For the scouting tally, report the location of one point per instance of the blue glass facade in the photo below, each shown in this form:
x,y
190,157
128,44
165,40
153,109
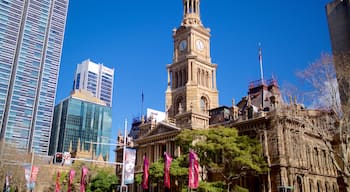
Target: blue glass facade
x,y
77,120
31,38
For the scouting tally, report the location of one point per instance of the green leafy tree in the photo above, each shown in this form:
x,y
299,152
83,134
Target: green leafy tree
x,y
102,181
211,187
222,150
179,171
156,172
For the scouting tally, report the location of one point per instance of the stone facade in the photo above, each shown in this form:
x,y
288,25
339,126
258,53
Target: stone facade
x,y
293,138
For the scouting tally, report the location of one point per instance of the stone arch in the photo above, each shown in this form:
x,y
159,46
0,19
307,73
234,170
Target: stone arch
x,y
299,184
204,104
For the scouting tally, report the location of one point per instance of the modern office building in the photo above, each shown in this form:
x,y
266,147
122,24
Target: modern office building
x,y
338,16
31,38
96,78
81,122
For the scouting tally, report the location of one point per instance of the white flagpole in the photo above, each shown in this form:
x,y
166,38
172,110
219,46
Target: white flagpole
x,y
261,64
124,148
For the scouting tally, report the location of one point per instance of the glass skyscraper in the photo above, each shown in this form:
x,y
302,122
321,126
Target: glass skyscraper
x,y
95,78
81,118
31,38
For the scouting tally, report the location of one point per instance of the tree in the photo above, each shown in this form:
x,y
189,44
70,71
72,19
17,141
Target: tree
x,y
325,83
156,172
222,150
102,181
179,173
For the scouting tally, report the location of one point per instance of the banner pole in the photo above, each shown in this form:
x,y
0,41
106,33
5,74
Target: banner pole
x,y
124,148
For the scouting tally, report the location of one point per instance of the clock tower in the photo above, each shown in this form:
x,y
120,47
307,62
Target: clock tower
x,y
191,90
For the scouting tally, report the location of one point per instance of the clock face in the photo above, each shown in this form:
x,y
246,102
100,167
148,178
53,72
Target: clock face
x,y
183,45
199,44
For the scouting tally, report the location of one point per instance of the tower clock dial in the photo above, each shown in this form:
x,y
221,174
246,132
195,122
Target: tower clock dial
x,y
199,44
183,45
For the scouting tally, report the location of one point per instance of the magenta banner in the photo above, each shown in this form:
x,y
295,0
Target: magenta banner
x,y
83,179
167,163
145,173
193,171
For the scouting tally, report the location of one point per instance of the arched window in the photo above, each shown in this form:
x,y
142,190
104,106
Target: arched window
x,y
175,80
335,188
319,186
204,104
299,187
327,187
179,82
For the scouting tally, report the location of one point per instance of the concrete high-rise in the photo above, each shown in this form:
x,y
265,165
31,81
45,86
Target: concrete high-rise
x,y
95,78
338,16
31,38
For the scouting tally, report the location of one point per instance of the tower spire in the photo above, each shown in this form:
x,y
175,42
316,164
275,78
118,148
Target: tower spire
x,y
191,12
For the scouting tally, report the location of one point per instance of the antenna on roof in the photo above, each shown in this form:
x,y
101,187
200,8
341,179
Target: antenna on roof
x,y
260,62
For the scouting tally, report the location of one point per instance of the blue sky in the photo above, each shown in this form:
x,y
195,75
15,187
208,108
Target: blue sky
x,y
135,38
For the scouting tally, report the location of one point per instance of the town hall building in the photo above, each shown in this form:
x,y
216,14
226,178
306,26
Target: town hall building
x,y
294,139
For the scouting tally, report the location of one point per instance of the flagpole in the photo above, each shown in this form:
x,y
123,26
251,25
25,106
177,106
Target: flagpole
x,y
142,100
261,64
31,171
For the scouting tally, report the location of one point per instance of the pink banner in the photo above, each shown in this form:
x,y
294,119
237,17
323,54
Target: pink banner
x,y
35,171
57,189
145,173
167,163
193,171
71,178
83,180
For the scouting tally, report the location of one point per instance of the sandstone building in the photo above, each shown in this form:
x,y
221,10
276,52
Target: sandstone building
x,y
294,139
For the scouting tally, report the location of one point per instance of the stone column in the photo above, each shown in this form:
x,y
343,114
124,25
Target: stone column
x,y
214,79
199,77
188,6
168,77
183,71
192,7
189,73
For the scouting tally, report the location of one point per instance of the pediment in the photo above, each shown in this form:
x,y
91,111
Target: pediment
x,y
162,129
